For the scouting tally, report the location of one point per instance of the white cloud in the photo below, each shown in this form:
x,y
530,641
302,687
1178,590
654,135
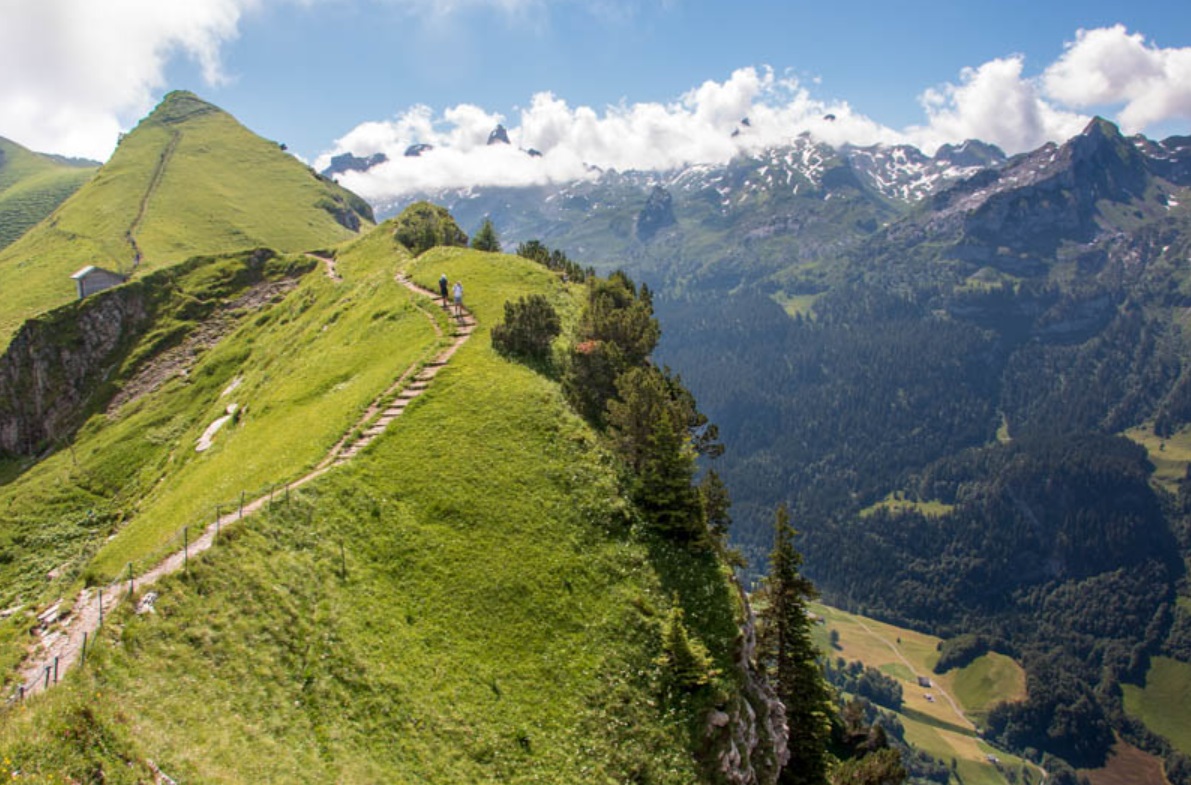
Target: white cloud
x,y
993,103
696,128
996,102
76,71
1109,67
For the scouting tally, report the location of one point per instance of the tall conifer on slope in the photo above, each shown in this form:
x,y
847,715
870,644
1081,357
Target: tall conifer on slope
x,y
788,652
486,238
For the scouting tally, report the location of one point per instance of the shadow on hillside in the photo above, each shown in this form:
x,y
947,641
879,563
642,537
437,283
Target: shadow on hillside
x,y
707,599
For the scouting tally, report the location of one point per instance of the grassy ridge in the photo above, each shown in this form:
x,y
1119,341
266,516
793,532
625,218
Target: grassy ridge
x,y
188,180
306,367
466,601
31,187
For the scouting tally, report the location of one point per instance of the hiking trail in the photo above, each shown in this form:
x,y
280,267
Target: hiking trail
x,y
61,635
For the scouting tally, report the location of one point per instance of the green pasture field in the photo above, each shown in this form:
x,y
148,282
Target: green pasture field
x,y
188,180
933,724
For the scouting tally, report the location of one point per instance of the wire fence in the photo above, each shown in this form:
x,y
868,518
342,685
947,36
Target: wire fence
x,y
171,556
190,540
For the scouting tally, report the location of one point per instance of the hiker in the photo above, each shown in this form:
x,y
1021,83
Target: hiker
x,y
442,289
458,292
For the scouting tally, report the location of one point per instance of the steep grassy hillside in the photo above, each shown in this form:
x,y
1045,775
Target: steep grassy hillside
x,y
32,186
299,367
188,179
469,600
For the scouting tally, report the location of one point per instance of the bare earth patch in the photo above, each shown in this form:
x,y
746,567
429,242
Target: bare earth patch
x,y
178,360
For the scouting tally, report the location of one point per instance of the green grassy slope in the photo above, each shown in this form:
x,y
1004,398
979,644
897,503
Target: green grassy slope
x,y
32,186
188,179
306,367
466,601
1162,703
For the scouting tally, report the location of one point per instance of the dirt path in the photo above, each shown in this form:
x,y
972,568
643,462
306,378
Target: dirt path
x,y
329,265
62,636
154,181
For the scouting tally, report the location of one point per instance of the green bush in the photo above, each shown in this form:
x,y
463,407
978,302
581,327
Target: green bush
x,y
530,325
423,225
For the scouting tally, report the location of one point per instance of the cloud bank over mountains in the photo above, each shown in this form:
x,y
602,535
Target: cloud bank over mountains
x,y
1107,71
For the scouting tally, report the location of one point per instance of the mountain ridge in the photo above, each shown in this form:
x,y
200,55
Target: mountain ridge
x,y
188,179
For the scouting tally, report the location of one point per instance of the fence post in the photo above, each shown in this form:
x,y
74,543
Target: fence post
x,y
342,562
83,654
131,583
186,549
217,521
55,670
241,505
287,493
47,677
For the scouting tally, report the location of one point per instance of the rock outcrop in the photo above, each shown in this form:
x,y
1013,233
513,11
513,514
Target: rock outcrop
x,y
657,214
55,363
349,162
747,736
499,136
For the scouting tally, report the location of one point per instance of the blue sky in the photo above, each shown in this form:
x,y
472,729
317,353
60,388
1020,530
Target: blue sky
x,y
611,82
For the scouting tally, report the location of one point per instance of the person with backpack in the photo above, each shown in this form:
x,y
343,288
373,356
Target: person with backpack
x,y
442,289
458,292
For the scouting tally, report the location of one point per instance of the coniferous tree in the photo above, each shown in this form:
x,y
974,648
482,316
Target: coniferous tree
x,y
789,653
486,238
616,332
647,425
716,502
687,661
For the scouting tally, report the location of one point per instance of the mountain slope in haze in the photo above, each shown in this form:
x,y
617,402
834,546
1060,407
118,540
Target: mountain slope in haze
x,y
188,179
33,185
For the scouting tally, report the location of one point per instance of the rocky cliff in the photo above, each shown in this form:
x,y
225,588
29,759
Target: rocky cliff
x,y
748,734
56,362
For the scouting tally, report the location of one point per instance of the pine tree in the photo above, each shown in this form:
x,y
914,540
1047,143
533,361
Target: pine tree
x,y
648,428
486,239
687,662
789,653
716,502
